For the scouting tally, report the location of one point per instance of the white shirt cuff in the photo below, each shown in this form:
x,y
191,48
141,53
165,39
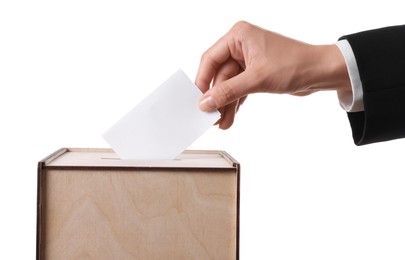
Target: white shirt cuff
x,y
351,101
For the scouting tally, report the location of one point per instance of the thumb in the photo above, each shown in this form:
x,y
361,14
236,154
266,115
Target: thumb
x,y
225,92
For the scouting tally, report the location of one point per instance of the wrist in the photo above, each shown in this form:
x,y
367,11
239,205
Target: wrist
x,y
326,69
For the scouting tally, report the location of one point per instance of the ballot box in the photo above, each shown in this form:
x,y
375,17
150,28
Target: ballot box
x,y
93,205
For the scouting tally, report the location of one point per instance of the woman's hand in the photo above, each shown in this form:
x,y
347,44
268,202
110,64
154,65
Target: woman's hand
x,y
249,59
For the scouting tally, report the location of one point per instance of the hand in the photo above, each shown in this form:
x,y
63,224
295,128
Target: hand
x,y
249,59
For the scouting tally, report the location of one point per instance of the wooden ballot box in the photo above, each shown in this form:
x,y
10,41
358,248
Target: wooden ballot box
x,y
92,205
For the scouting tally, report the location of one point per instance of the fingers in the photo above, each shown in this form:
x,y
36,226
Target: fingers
x,y
228,115
224,65
240,102
228,70
211,62
228,91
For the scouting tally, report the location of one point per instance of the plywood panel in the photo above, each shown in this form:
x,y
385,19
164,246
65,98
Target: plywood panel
x,y
156,214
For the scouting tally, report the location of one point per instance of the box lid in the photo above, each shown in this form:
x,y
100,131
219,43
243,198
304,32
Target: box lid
x,y
101,157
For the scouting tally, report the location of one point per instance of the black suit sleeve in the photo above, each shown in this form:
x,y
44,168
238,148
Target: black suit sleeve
x,y
380,56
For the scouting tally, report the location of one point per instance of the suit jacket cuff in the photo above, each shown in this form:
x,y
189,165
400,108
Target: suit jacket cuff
x,y
380,57
351,101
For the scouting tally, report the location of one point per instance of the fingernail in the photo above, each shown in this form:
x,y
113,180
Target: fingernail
x,y
207,104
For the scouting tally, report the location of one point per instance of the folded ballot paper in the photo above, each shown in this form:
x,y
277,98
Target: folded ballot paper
x,y
164,124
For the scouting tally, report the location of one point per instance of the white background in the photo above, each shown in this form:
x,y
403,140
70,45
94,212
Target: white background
x,y
70,69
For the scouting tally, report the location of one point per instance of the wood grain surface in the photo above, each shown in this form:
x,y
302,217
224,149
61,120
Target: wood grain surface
x,y
132,214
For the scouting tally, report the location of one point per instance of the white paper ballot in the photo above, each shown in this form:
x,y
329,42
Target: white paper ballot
x,y
164,124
